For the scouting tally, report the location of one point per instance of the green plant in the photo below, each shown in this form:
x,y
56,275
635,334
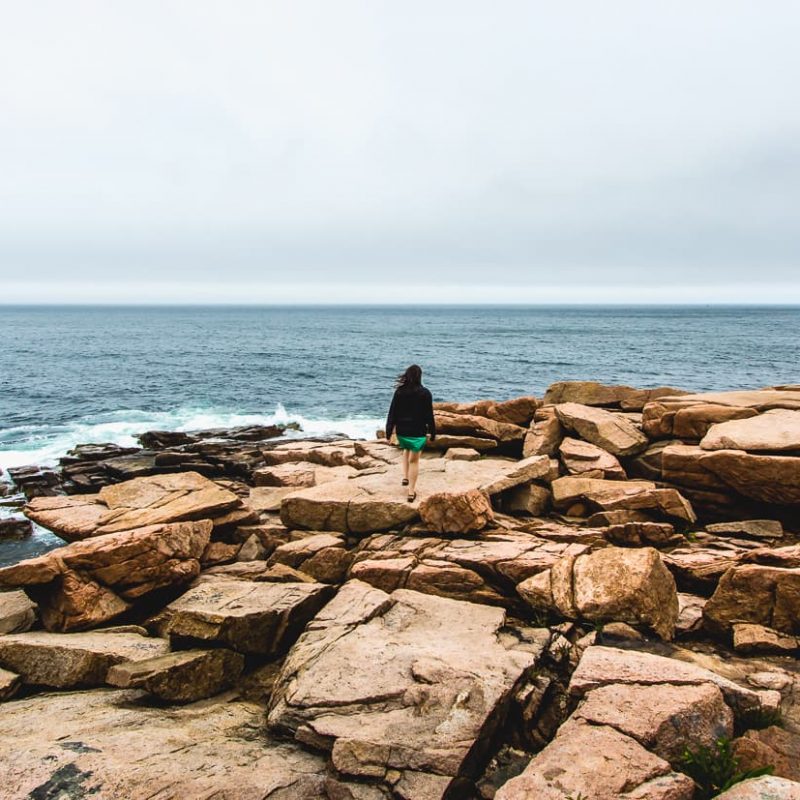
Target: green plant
x,y
578,796
715,769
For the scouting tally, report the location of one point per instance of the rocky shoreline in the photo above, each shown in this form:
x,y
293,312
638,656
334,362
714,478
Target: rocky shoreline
x,y
596,595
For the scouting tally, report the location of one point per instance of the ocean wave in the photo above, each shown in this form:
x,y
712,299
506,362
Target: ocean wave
x,y
44,444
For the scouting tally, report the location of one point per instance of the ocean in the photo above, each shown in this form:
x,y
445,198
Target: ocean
x,y
96,374
71,375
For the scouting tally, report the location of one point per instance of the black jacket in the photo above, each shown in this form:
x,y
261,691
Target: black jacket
x,y
411,413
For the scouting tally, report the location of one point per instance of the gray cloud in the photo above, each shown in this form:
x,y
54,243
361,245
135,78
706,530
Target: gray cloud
x,y
163,147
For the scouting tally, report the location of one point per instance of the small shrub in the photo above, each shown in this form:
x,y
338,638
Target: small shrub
x,y
715,769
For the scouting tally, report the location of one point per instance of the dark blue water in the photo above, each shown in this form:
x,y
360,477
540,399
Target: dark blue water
x,y
72,374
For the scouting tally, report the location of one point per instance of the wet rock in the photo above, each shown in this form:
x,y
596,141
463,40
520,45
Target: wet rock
x,y
456,512
249,617
70,660
772,431
15,528
580,457
768,596
87,583
181,677
611,432
35,481
101,745
17,612
404,682
612,584
598,762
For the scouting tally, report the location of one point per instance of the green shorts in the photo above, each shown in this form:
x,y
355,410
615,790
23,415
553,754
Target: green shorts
x,y
412,443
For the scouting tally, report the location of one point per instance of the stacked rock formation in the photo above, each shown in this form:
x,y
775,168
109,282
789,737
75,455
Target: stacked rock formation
x,y
587,588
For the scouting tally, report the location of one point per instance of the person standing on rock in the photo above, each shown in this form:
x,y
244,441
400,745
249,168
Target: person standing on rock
x,y
411,416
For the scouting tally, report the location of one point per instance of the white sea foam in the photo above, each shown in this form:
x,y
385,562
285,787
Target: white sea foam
x,y
43,444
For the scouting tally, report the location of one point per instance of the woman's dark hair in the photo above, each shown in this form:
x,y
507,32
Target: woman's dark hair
x,y
410,378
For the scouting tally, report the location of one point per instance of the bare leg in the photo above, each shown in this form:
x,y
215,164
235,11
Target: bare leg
x,y
405,464
413,473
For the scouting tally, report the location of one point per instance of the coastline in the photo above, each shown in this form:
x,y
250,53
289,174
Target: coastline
x,y
569,558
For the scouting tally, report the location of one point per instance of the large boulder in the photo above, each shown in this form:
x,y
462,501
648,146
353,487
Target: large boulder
x,y
614,433
249,617
597,762
88,583
665,719
100,744
772,431
610,585
456,512
691,423
70,660
517,411
401,682
137,503
768,596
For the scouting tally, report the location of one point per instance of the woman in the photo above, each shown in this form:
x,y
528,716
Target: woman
x,y
411,415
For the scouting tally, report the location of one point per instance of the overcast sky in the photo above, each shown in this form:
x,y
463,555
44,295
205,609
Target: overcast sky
x,y
399,151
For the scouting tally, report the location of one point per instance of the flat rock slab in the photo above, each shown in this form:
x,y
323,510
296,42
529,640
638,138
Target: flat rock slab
x,y
768,478
401,681
184,677
99,744
137,503
377,502
68,660
591,393
613,584
601,666
597,762
771,431
249,617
